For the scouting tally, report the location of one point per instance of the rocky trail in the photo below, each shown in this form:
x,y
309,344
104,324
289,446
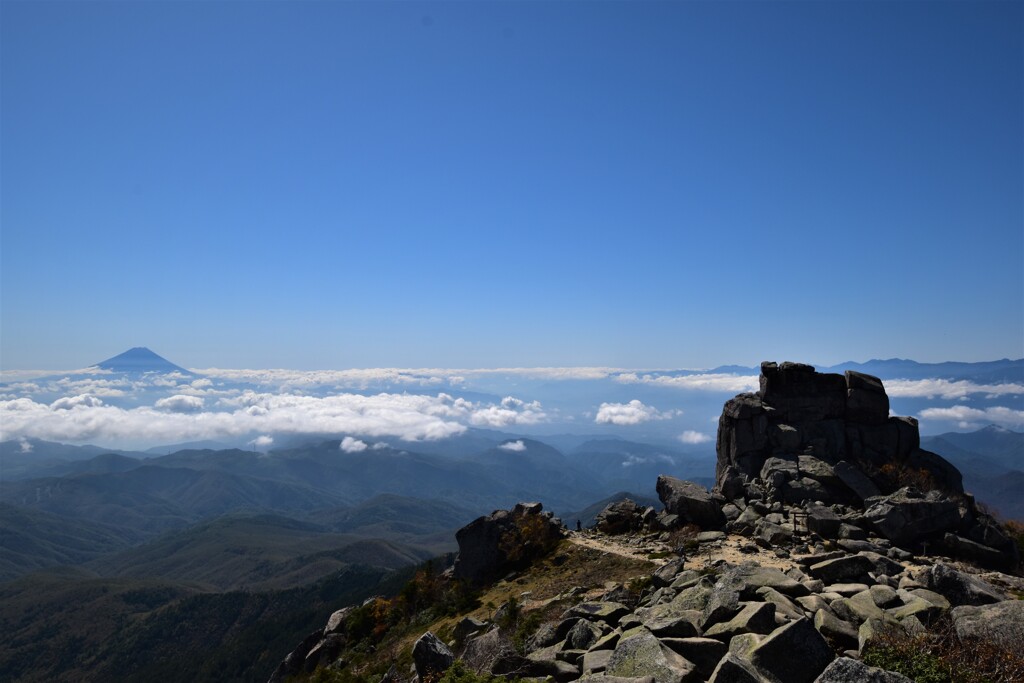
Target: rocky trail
x,y
656,553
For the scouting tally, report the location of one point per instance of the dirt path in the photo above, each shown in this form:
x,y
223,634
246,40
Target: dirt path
x,y
610,544
728,550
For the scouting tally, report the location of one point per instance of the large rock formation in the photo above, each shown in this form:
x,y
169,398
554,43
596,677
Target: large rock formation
x,y
832,418
825,444
504,541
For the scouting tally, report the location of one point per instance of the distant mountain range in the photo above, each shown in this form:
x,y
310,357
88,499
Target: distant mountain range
x,y
992,463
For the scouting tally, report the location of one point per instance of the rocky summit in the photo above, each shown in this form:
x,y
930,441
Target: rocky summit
x,y
830,536
822,449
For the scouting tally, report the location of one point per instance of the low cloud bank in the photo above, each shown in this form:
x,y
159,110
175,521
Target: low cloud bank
x,y
86,418
693,438
700,382
632,413
948,389
966,417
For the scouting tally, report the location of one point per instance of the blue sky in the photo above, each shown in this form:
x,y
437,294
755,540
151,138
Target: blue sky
x,y
316,185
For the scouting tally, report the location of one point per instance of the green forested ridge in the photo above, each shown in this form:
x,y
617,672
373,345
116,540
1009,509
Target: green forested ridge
x,y
63,626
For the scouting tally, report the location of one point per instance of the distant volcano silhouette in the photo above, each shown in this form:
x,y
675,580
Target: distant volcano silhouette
x,y
140,360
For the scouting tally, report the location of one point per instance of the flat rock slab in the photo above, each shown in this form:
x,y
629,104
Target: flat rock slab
x,y
960,588
1001,623
794,653
642,654
748,577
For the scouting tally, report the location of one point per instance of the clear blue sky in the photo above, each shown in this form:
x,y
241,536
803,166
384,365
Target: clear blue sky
x,y
326,184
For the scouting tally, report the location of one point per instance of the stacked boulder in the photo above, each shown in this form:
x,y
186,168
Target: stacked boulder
x,y
823,448
622,517
505,541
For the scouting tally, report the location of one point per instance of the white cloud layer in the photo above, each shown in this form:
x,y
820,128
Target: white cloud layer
x,y
179,403
410,417
514,446
88,419
700,382
262,441
351,445
364,378
966,417
511,411
693,437
632,413
948,389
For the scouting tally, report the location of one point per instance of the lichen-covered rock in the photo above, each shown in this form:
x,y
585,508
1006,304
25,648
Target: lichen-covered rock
x,y
794,653
1001,623
642,654
847,670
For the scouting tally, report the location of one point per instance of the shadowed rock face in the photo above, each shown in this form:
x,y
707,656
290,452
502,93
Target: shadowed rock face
x,y
504,541
834,418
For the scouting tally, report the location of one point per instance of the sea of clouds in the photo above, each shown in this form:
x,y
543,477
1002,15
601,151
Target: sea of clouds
x,y
95,406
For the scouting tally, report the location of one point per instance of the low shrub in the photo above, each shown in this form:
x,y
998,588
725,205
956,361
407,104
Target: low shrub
x,y
940,656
